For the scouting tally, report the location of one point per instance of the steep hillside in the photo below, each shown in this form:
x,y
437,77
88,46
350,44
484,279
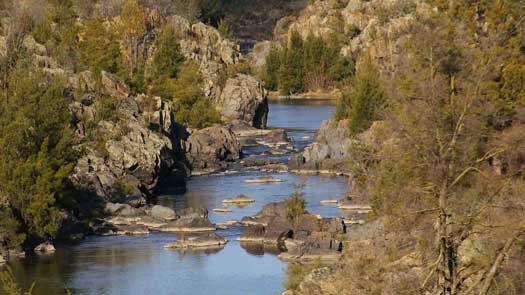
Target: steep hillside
x,y
253,20
114,103
434,120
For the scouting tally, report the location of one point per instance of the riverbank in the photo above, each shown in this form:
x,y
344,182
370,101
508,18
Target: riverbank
x,y
104,262
311,95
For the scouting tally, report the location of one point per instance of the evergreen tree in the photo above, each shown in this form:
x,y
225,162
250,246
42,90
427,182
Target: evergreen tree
x,y
99,50
291,78
272,69
363,102
190,105
36,157
132,29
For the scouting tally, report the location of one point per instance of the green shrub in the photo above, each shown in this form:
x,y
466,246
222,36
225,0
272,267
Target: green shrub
x,y
224,30
98,49
36,157
189,102
363,101
296,204
167,58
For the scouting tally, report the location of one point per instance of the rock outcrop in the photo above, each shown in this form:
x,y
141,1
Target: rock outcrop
x,y
45,248
305,238
253,20
198,242
245,100
135,146
212,149
358,22
239,98
329,150
123,219
208,49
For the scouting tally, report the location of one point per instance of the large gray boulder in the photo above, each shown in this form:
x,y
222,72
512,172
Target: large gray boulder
x,y
245,100
212,149
163,213
329,150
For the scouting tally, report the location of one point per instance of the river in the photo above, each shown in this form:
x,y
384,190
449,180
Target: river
x,y
139,264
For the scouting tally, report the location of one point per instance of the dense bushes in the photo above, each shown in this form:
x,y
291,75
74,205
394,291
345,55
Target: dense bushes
x,y
36,157
362,100
190,104
306,65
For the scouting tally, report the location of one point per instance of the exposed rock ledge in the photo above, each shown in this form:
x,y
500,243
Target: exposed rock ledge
x,y
201,241
212,149
123,219
328,151
308,237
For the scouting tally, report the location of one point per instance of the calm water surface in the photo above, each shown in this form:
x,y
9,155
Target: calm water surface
x,y
139,265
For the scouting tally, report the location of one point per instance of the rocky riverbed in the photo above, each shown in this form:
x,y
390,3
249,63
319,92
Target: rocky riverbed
x,y
201,242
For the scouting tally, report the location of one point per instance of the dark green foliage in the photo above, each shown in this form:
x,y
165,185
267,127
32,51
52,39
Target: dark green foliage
x,y
138,83
98,49
272,68
310,65
211,12
36,157
224,30
341,68
296,204
291,75
190,105
167,58
59,32
363,102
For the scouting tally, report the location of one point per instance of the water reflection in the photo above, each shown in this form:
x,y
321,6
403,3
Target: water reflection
x,y
301,118
209,191
140,265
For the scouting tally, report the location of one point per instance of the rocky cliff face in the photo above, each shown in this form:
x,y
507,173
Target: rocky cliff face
x,y
329,150
133,149
239,98
206,47
375,26
245,100
212,149
253,20
132,141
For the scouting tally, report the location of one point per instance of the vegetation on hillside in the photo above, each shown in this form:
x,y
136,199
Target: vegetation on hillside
x,y
363,99
37,138
36,157
306,65
448,173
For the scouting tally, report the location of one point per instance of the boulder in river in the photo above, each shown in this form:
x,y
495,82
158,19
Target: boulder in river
x,y
222,210
188,224
264,179
162,212
211,240
240,199
245,100
212,149
45,248
329,150
304,238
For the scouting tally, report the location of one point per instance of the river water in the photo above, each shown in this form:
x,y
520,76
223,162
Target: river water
x,y
140,265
